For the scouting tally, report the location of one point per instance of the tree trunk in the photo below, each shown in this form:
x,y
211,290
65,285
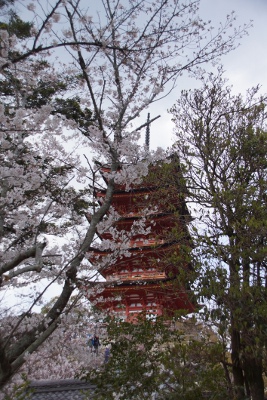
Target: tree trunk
x,y
253,372
237,370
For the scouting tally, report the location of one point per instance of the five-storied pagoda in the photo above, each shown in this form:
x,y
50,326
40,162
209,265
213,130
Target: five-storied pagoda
x,y
151,276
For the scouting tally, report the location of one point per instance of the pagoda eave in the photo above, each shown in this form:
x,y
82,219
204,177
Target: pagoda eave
x,y
149,248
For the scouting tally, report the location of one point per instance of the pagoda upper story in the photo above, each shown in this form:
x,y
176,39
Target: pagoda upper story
x,y
146,275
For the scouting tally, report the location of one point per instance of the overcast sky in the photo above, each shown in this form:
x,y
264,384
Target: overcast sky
x,y
245,67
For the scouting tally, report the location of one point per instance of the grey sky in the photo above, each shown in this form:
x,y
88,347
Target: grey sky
x,y
245,67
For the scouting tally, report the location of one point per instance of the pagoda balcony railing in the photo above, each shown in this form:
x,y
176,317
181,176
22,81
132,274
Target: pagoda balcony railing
x,y
136,276
145,242
138,214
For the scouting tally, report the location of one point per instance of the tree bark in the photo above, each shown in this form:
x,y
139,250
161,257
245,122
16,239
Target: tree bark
x,y
253,372
237,370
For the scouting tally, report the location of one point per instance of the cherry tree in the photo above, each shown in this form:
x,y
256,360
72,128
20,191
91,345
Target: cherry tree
x,y
61,121
66,353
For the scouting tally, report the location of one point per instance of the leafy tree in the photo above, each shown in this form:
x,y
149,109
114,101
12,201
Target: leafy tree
x,y
114,68
222,145
153,359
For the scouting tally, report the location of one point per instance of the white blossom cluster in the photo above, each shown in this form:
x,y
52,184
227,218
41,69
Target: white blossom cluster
x,y
66,353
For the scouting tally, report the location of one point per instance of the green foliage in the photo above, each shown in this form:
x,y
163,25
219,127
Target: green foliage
x,y
15,25
159,358
17,92
71,108
43,93
46,92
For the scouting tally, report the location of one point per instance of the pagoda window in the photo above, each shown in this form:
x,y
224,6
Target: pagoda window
x,y
134,297
135,305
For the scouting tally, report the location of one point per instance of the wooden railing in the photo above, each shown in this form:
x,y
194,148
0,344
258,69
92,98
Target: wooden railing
x,y
137,276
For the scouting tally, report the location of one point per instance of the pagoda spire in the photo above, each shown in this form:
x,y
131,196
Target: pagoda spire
x,y
147,126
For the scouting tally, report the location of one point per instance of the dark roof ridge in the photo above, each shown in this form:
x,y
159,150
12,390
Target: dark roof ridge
x,y
58,385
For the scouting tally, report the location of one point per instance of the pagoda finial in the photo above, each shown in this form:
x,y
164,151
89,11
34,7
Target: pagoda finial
x,y
148,131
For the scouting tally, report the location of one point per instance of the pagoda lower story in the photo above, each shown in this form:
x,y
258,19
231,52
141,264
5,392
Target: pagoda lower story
x,y
150,280
129,301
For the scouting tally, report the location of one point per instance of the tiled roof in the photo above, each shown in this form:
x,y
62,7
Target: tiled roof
x,y
68,389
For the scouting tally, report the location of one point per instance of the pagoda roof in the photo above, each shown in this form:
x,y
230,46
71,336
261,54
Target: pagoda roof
x,y
166,284
134,187
135,190
148,248
64,389
136,282
158,216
